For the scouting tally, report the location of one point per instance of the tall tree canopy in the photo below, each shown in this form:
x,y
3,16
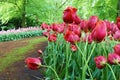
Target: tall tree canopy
x,y
51,10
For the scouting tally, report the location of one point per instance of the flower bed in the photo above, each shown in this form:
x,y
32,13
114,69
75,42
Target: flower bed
x,y
20,33
80,49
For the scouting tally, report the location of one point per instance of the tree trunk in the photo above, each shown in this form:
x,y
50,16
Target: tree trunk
x,y
23,23
118,8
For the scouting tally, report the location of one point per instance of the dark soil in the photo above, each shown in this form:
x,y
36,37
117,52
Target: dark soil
x,y
18,70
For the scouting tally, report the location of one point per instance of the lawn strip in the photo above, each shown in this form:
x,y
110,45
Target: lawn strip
x,y
18,53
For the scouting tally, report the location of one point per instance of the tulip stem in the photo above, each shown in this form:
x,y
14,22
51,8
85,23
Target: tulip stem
x,y
52,70
105,73
67,63
112,71
86,65
105,53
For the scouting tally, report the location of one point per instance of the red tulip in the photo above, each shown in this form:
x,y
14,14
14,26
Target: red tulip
x,y
39,51
71,37
46,34
84,25
92,22
61,28
99,32
54,26
77,20
58,27
73,48
116,36
70,15
109,27
44,26
117,49
114,28
75,28
118,22
100,61
33,63
52,38
113,58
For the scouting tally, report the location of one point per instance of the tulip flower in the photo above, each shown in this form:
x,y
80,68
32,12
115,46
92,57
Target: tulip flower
x,y
114,28
73,48
84,25
100,61
77,20
39,51
117,49
52,38
109,27
46,34
71,37
116,36
99,32
44,26
54,26
70,16
75,28
58,27
118,22
92,22
113,58
33,63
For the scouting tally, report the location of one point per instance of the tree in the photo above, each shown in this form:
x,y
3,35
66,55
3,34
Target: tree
x,y
12,9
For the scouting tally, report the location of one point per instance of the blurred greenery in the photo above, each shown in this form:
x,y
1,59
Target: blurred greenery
x,y
37,11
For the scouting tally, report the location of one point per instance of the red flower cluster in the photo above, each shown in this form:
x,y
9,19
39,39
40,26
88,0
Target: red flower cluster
x,y
72,28
93,29
113,58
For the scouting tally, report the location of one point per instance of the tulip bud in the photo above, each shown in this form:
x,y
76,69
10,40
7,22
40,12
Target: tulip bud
x,y
100,61
116,36
70,16
84,25
77,20
92,22
113,58
99,32
73,48
46,34
117,49
52,38
44,26
39,51
75,28
118,22
33,63
71,37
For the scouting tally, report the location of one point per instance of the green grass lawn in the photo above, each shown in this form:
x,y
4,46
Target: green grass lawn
x,y
18,53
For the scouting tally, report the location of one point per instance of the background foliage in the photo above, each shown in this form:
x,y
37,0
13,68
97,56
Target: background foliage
x,y
49,11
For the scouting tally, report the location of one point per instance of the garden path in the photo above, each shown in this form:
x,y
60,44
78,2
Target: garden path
x,y
18,70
